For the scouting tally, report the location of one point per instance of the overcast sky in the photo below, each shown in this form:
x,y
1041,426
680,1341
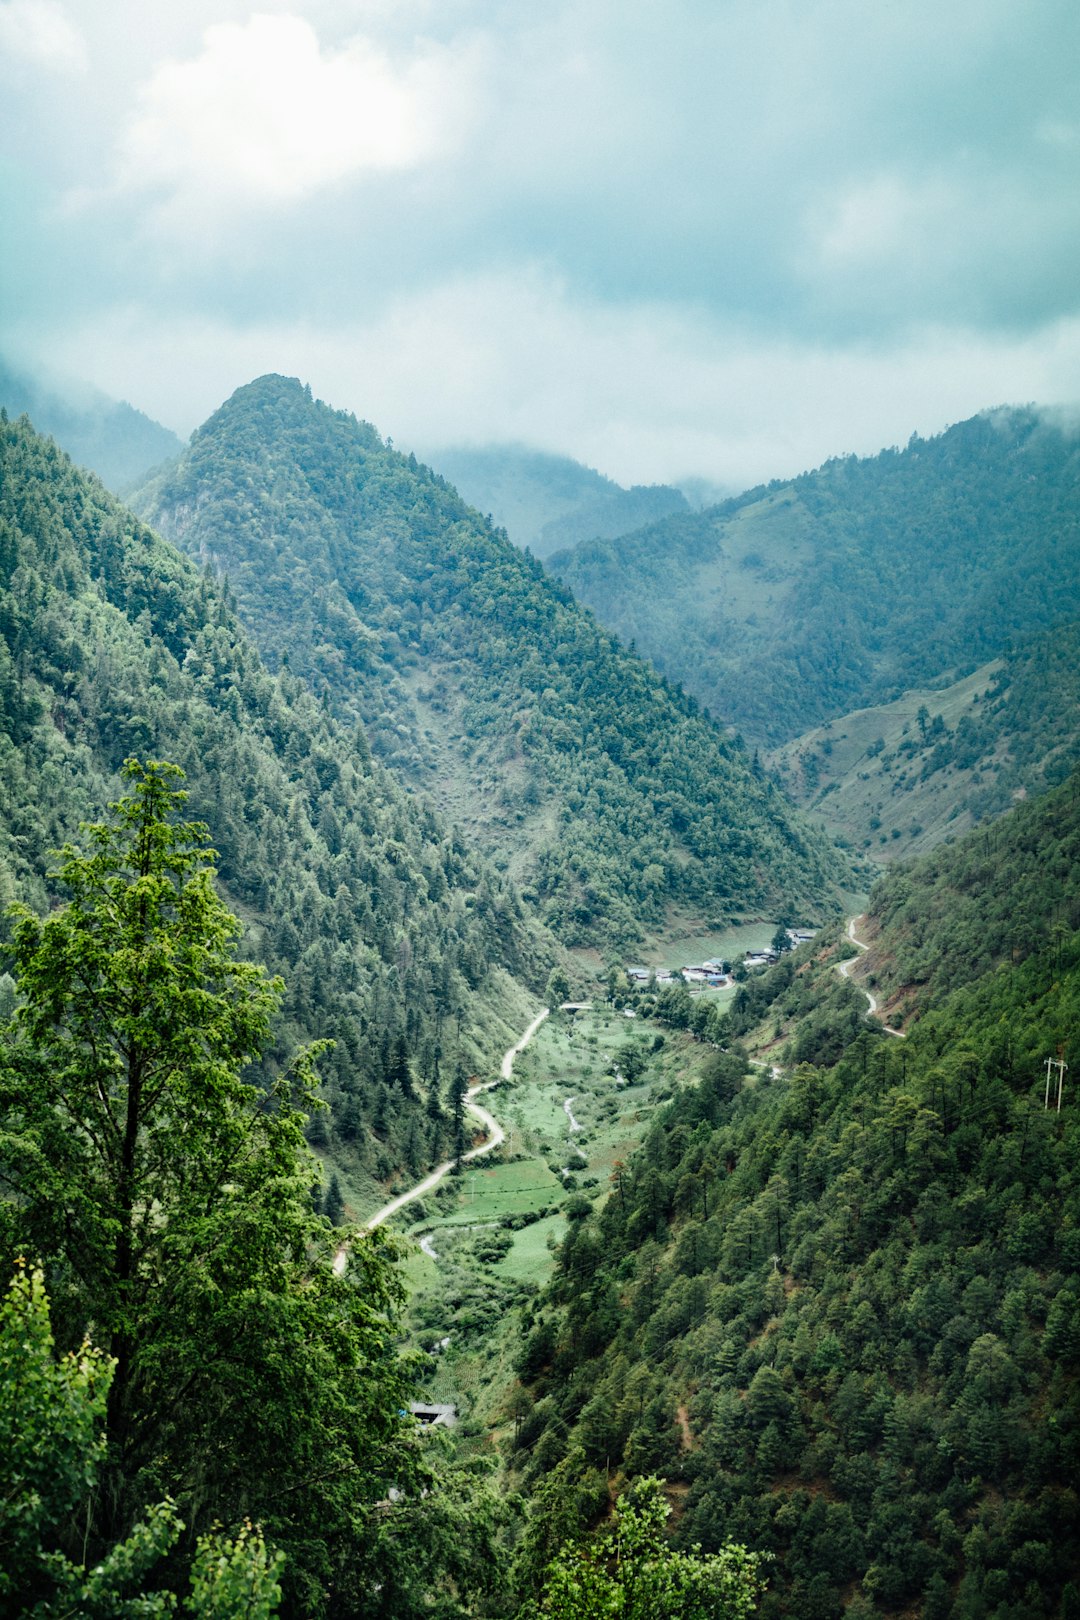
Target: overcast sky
x,y
668,237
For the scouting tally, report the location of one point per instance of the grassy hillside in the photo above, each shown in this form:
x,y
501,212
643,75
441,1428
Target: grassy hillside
x,y
546,502
896,779
836,1303
393,939
866,774
481,682
1006,893
849,586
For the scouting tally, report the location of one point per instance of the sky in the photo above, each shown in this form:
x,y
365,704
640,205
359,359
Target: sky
x,y
719,238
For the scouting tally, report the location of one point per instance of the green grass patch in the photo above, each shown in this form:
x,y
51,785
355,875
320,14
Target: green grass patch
x,y
490,1190
529,1259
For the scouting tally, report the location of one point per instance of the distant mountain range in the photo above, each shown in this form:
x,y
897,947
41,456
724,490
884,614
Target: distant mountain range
x,y
832,1297
797,603
546,501
112,439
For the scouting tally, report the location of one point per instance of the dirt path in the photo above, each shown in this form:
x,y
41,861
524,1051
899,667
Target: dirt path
x,y
496,1136
844,970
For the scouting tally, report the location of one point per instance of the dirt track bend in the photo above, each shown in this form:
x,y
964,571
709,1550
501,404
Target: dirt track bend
x,y
844,970
496,1135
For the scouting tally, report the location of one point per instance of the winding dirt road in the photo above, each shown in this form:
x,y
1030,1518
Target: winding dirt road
x,y
496,1135
844,970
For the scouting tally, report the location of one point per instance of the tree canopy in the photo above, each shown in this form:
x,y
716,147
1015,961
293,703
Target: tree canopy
x,y
170,1200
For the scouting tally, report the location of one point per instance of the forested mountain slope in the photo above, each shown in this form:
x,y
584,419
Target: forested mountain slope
x,y
896,779
481,681
545,501
838,1306
393,939
1005,893
113,439
847,586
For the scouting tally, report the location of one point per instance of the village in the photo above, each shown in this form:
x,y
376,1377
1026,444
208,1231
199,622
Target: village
x,y
715,973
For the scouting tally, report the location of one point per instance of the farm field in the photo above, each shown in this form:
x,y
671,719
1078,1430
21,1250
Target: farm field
x,y
490,1232
726,944
552,1149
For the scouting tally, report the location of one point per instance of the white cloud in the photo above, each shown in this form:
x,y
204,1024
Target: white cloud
x,y
265,116
645,393
41,33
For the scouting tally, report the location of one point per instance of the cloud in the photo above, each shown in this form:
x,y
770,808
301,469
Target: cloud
x,y
263,116
39,32
642,392
724,236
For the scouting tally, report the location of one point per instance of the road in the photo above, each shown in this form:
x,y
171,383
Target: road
x,y
496,1136
844,969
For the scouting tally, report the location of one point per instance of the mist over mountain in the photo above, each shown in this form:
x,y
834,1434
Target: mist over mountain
x,y
545,501
814,1267
540,1011
118,442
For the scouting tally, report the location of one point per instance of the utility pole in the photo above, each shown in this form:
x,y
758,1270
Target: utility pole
x,y
1060,1065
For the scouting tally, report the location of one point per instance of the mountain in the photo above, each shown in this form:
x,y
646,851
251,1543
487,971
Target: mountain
x,y
849,586
896,779
1008,893
545,501
113,439
834,1299
481,682
394,940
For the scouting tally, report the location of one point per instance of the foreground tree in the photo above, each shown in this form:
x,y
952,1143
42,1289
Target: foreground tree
x,y
51,1447
170,1201
629,1572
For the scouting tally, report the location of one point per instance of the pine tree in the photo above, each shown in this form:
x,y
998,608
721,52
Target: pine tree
x,y
459,1085
334,1203
172,1208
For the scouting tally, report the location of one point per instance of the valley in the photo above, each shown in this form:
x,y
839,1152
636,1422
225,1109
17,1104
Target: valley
x,y
540,811
800,1245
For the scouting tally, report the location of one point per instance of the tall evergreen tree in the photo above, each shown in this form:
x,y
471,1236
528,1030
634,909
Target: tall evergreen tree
x,y
459,1085
334,1204
171,1203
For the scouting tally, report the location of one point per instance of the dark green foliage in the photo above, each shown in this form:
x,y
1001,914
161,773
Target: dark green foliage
x,y
1007,892
842,1306
333,1204
629,1570
52,1445
170,1202
852,584
558,989
111,643
478,678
